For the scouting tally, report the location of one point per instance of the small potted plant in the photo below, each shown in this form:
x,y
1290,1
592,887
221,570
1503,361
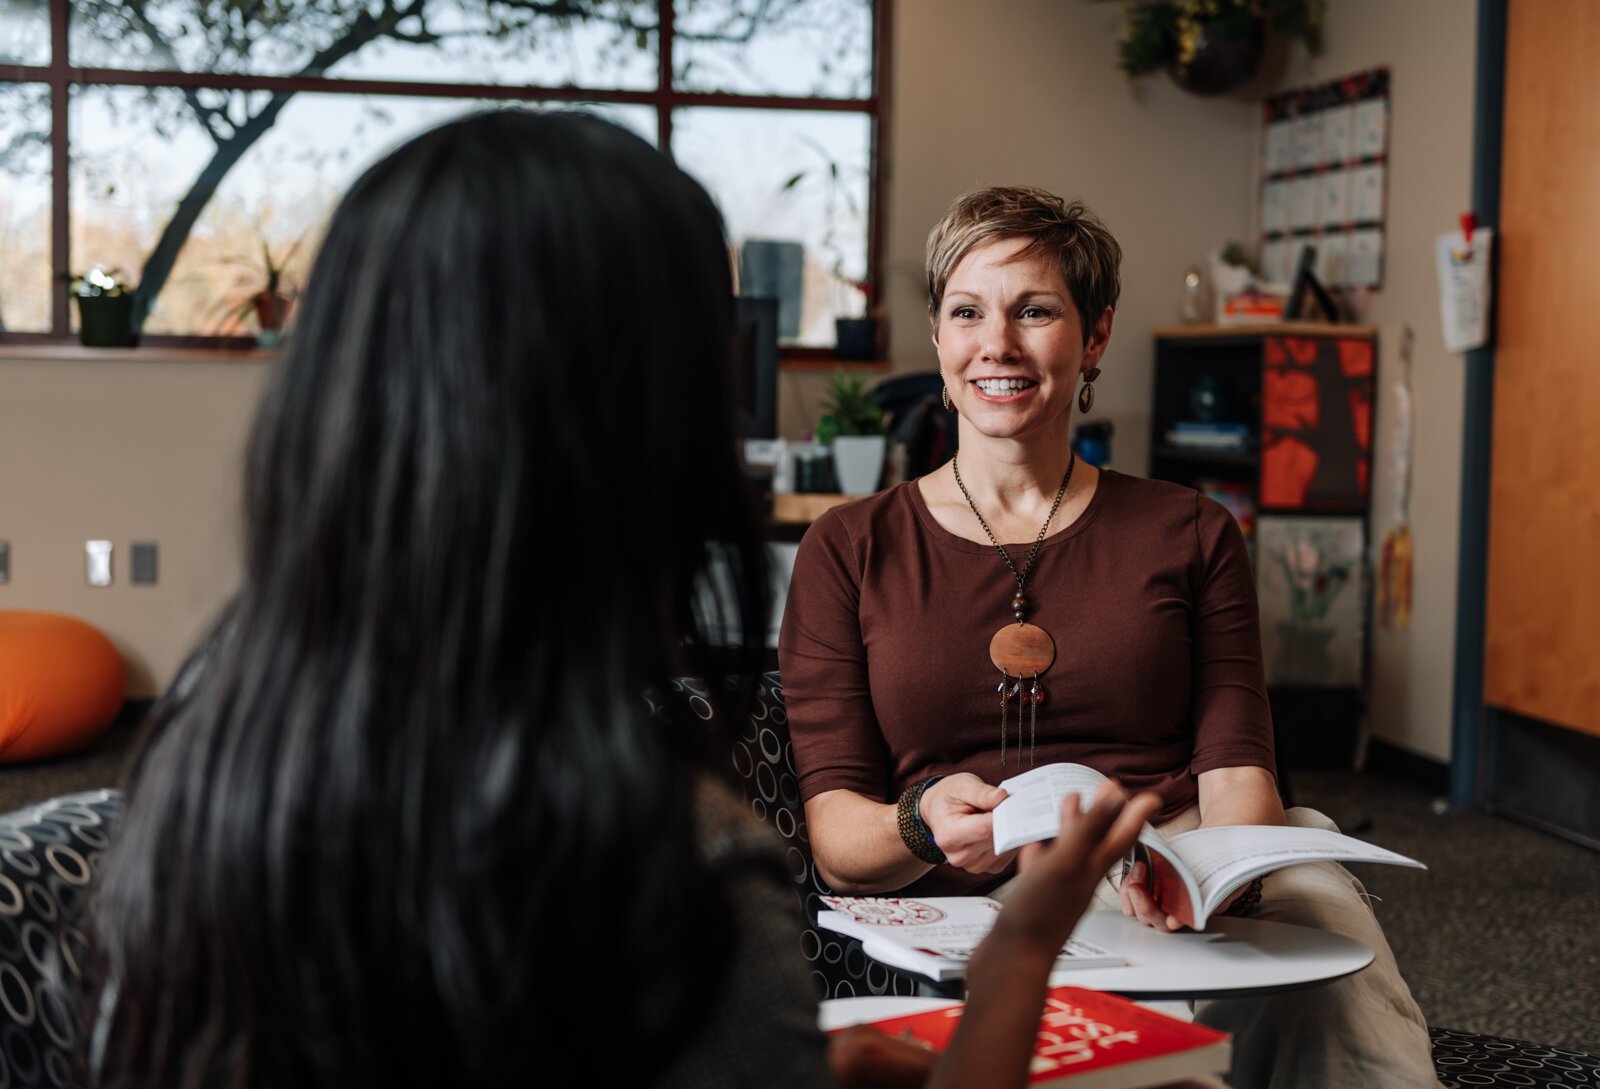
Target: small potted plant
x,y
1210,47
852,425
105,309
269,302
856,338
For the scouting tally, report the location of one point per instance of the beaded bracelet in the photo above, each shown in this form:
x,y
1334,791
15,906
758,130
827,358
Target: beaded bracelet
x,y
1247,901
913,829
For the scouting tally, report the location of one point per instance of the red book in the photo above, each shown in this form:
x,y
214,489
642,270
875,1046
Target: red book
x,y
1091,1040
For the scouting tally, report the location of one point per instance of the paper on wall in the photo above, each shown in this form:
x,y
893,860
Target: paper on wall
x,y
1464,288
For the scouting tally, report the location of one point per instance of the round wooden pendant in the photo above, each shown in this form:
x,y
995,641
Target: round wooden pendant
x,y
1022,650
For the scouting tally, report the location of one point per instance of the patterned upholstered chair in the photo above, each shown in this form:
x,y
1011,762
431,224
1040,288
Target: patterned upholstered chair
x,y
763,760
49,852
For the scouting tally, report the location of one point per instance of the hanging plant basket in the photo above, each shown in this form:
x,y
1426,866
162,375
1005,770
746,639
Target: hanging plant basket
x,y
1211,47
1221,61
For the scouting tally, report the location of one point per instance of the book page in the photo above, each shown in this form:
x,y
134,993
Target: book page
x,y
923,935
1222,859
1033,809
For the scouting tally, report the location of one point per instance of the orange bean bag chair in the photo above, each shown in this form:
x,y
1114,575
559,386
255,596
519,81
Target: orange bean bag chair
x,y
61,685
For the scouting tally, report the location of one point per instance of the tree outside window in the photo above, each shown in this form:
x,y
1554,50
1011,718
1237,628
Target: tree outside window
x,y
208,141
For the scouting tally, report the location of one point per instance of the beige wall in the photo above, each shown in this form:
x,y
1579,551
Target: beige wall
x,y
1026,91
125,449
1429,47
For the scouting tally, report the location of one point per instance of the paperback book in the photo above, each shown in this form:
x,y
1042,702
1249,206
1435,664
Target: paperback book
x,y
935,936
1192,873
1090,1040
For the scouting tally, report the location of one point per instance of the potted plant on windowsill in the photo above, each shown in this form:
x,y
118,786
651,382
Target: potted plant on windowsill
x,y
853,425
856,338
270,302
1210,47
105,309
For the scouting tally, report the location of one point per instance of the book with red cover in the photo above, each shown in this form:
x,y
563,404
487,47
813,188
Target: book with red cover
x,y
1091,1040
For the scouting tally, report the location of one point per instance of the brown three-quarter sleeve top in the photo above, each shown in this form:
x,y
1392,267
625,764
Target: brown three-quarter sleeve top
x,y
1150,599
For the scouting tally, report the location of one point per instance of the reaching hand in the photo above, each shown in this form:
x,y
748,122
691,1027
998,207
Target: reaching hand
x,y
959,811
1058,877
864,1058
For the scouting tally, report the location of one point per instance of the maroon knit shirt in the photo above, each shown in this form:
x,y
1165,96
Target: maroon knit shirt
x,y
1149,597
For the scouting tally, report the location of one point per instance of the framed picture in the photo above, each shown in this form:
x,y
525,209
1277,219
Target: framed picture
x,y
1311,582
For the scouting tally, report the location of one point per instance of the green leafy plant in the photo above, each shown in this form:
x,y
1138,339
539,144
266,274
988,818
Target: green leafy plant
x,y
1163,33
268,293
849,409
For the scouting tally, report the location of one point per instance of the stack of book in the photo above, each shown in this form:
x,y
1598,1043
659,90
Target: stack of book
x,y
1198,435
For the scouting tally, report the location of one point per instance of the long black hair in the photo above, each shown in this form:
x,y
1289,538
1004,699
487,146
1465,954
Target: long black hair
x,y
412,824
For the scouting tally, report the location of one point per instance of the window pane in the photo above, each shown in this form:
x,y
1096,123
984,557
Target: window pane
x,y
794,176
25,207
138,153
802,48
610,45
24,32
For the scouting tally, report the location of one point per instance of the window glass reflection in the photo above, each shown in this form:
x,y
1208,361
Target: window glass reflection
x,y
25,207
790,176
139,154
24,32
802,48
605,44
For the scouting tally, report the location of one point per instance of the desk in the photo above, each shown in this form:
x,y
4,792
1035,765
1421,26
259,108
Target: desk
x,y
1234,957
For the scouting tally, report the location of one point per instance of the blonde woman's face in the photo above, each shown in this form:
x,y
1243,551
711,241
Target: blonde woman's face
x,y
1010,339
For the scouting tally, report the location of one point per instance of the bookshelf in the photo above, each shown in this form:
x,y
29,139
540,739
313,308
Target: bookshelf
x,y
1275,422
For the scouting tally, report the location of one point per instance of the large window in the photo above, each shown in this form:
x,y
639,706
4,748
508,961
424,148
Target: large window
x,y
189,146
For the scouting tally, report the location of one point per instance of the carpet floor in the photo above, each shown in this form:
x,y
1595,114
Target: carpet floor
x,y
1498,936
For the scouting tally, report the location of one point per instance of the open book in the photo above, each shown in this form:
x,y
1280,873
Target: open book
x,y
1193,872
1090,1040
934,936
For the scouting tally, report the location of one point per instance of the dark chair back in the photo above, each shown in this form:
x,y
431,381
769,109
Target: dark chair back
x,y
763,760
917,418
48,854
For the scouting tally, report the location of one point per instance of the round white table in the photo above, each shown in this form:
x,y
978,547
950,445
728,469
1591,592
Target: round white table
x,y
1232,957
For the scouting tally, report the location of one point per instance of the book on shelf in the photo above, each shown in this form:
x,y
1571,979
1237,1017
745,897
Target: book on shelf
x,y
1090,1040
1192,873
1192,435
934,936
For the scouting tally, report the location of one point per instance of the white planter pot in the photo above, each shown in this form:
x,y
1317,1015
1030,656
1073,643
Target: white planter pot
x,y
858,462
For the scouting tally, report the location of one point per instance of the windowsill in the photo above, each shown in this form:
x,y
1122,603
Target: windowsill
x,y
77,353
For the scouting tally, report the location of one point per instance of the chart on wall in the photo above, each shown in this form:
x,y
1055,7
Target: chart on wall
x,y
1324,167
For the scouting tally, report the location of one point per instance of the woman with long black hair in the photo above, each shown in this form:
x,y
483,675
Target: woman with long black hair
x,y
407,820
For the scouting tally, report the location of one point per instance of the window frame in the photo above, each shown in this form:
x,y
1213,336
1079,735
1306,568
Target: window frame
x,y
60,76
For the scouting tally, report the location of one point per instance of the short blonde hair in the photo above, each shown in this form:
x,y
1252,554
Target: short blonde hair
x,y
1089,256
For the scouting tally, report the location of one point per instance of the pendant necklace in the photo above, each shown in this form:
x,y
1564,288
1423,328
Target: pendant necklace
x,y
1021,651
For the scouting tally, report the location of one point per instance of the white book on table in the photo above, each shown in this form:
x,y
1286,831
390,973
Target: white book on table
x,y
935,936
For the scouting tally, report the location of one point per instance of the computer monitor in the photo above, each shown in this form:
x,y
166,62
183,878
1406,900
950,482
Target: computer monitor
x,y
755,365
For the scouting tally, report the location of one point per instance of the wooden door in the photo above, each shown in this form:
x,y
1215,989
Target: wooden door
x,y
1542,635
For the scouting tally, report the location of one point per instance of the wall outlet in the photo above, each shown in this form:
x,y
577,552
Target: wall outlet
x,y
5,561
98,555
142,556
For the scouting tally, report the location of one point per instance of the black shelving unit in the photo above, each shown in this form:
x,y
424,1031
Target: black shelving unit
x,y
1303,395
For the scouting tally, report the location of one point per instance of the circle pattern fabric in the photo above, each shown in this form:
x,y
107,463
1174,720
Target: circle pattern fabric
x,y
48,855
763,762
50,852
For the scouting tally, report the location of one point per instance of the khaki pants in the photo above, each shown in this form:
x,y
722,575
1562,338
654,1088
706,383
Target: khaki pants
x,y
1360,1032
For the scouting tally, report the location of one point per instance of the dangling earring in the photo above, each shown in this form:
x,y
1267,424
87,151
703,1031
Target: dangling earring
x,y
1086,391
944,395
